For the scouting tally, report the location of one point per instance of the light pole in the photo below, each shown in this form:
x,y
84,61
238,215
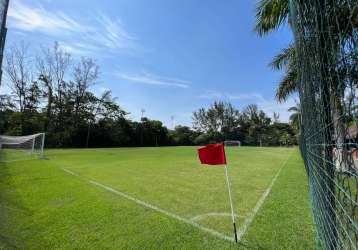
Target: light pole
x,y
142,113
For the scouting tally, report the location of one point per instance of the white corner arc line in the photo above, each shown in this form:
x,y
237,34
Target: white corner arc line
x,y
155,208
242,230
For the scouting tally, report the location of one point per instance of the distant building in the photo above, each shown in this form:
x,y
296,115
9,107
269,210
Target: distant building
x,y
4,5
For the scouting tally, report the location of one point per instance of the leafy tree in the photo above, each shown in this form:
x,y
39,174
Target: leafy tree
x,y
52,67
85,75
183,135
32,99
60,101
104,108
255,123
219,117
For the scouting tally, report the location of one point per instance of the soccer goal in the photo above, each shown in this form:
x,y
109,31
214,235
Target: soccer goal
x,y
233,143
14,148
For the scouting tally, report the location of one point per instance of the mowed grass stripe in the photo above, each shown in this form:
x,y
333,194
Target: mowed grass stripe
x,y
155,208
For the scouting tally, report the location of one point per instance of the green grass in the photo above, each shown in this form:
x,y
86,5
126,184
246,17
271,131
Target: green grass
x,y
43,207
10,155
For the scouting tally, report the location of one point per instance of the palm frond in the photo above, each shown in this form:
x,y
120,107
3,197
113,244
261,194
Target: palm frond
x,y
285,58
293,117
293,109
287,86
270,14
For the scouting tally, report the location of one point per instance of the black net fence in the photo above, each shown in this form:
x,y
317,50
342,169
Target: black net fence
x,y
325,34
4,4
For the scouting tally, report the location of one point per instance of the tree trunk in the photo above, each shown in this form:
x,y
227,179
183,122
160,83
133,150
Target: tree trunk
x,y
88,134
48,109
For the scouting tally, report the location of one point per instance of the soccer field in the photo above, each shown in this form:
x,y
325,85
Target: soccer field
x,y
155,198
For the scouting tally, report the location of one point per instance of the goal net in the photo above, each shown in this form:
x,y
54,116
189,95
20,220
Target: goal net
x,y
14,148
233,143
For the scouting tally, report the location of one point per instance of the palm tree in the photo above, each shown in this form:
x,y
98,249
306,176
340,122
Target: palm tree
x,y
295,117
270,15
286,60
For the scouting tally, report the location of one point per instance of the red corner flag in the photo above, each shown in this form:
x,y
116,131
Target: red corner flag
x,y
212,154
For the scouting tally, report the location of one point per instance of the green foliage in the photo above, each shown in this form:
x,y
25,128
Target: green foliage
x,y
219,117
61,103
286,60
206,138
221,121
183,135
270,15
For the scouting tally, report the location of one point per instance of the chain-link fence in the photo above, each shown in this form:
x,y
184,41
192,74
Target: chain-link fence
x,y
326,53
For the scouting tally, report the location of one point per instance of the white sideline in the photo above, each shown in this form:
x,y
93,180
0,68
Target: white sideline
x,y
242,230
70,172
155,208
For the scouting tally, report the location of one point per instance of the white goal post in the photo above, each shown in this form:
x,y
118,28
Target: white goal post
x,y
14,148
234,143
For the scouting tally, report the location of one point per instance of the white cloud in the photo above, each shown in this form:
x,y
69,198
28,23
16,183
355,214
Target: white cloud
x,y
114,35
79,48
26,18
151,79
100,36
269,106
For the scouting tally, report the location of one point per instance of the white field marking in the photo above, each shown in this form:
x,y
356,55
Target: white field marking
x,y
155,208
202,216
242,230
70,172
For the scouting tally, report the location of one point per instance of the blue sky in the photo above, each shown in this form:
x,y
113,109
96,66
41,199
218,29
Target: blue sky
x,y
168,57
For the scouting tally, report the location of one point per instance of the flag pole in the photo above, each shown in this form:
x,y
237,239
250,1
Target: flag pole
x,y
232,207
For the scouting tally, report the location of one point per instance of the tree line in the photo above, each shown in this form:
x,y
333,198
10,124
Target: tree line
x,y
52,93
